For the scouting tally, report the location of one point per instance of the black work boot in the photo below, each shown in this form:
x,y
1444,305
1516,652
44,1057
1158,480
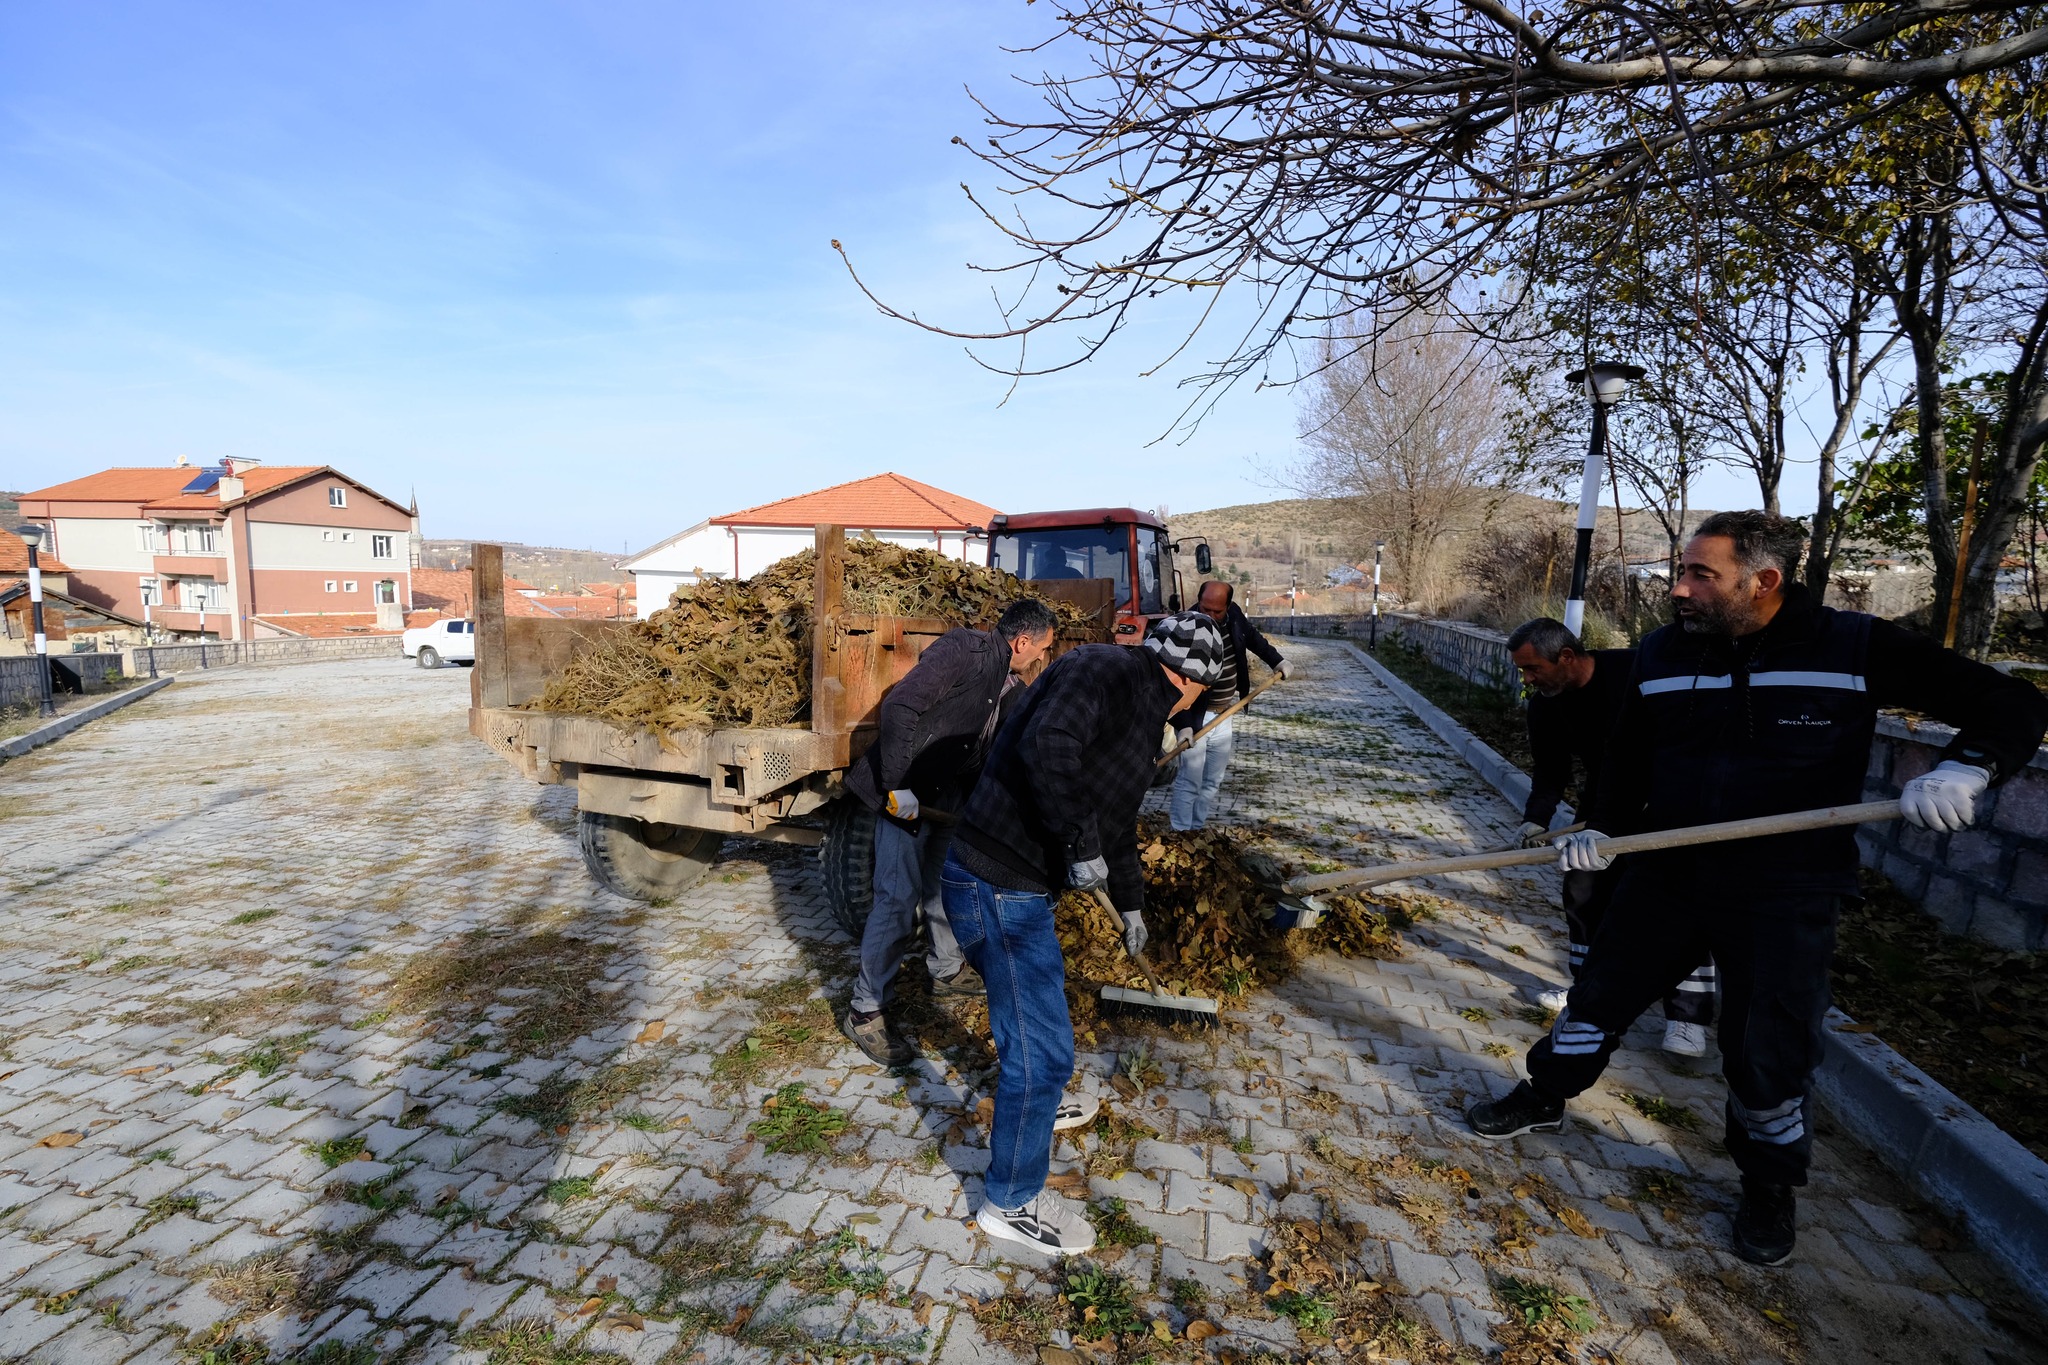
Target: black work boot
x,y
1519,1111
1764,1230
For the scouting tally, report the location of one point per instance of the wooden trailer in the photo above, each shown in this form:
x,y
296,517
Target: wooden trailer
x,y
656,808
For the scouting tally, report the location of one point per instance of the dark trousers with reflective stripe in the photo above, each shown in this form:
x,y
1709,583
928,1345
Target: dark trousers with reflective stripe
x,y
1586,897
1772,950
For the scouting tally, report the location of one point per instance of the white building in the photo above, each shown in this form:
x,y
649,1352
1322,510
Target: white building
x,y
741,544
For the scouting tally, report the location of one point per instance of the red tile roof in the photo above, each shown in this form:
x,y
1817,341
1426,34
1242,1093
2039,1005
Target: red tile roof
x,y
446,591
585,608
885,502
162,488
14,556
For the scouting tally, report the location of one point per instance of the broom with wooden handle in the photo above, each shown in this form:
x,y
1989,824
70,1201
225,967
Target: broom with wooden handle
x,y
1755,828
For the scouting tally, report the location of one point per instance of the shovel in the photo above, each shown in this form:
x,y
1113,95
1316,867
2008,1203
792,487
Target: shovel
x,y
1755,828
1225,714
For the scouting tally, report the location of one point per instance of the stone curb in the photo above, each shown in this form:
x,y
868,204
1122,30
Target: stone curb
x,y
1950,1154
64,725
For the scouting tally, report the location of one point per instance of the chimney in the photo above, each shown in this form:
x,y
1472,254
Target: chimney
x,y
231,486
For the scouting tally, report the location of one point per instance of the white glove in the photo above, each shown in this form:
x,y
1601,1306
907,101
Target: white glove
x,y
1533,835
1581,853
1135,935
1280,671
1089,875
1945,799
903,804
1170,738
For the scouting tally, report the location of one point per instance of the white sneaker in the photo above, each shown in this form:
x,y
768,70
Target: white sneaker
x,y
1686,1040
1048,1223
1076,1111
1552,1000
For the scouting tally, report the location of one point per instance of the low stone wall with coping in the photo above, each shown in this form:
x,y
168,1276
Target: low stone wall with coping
x,y
145,659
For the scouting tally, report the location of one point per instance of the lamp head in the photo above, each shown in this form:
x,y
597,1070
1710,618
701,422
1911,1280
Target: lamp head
x,y
31,535
1606,381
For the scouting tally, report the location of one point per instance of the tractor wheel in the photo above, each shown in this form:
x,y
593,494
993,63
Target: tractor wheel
x,y
644,861
847,860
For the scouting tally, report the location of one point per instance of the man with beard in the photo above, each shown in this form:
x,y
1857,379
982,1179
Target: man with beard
x,y
1578,697
1760,701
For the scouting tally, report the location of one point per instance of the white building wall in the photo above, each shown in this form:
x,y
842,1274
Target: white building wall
x,y
101,543
287,545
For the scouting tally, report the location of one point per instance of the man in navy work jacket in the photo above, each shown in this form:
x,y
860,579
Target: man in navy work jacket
x,y
1759,701
935,729
1202,766
1578,696
1056,807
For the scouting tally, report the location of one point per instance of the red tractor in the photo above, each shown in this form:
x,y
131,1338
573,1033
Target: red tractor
x,y
1116,560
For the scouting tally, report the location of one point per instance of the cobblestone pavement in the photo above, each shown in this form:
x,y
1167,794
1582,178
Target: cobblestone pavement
x,y
320,1044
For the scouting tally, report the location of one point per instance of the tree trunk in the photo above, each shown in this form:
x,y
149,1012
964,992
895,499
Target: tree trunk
x,y
1921,303
2003,490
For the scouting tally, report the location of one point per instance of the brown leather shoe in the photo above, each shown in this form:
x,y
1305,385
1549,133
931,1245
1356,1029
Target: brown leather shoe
x,y
878,1038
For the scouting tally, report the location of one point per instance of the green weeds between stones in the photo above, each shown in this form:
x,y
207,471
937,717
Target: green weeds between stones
x,y
335,1151
1538,1304
1661,1110
789,1123
1114,1225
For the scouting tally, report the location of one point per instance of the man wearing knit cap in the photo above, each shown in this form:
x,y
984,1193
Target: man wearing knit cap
x,y
1057,807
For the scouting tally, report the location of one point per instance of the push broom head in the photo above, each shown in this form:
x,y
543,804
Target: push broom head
x,y
1193,1010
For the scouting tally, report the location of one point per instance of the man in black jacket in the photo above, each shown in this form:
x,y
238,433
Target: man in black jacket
x,y
1057,806
936,725
1201,767
1759,702
1578,696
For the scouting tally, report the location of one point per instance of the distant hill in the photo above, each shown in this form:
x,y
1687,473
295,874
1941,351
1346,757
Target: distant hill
x,y
547,567
1263,545
10,507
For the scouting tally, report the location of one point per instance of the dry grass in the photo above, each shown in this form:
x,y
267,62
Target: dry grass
x,y
458,983
261,1284
261,1010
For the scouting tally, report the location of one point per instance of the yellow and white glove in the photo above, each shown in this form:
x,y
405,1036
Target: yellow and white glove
x,y
903,804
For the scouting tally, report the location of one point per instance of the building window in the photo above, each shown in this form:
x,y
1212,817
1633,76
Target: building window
x,y
332,586
348,585
337,497
387,593
348,537
380,547
327,535
145,538
150,597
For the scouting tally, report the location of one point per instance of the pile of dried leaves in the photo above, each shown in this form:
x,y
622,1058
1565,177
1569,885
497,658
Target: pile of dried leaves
x,y
1972,1016
739,653
1209,908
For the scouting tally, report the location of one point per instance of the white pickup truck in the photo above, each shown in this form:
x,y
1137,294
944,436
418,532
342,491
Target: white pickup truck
x,y
442,642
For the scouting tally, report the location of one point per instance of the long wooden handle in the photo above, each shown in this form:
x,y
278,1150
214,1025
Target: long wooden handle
x,y
1225,714
1144,963
1754,828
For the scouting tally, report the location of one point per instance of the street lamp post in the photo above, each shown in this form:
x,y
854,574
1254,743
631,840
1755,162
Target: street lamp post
x,y
32,536
1605,384
1378,547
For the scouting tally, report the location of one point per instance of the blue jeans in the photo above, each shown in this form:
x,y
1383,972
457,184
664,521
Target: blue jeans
x,y
1201,774
1008,936
906,873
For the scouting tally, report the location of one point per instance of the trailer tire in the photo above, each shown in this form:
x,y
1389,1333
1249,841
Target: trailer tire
x,y
643,861
428,658
847,861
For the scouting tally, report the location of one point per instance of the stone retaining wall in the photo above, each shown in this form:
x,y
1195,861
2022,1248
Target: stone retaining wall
x,y
21,676
1990,881
147,660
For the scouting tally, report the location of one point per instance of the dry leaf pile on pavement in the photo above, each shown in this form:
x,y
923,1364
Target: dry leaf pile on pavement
x,y
739,652
1208,910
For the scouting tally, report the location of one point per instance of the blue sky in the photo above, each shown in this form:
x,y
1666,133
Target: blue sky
x,y
564,271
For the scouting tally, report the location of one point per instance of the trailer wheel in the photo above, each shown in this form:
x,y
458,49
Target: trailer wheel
x,y
847,860
645,861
